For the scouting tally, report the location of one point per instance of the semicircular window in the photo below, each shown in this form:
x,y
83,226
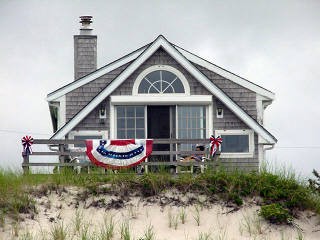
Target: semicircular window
x,y
161,81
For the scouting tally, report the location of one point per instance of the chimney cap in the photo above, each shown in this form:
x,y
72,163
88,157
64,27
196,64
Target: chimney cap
x,y
85,20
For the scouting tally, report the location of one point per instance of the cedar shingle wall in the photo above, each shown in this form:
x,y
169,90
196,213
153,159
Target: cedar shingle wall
x,y
245,98
81,96
85,55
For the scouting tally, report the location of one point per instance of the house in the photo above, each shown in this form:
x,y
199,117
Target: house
x,y
160,91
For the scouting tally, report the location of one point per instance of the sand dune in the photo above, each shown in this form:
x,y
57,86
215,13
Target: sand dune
x,y
169,215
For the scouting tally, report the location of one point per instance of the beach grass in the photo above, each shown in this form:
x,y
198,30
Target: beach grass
x,y
282,188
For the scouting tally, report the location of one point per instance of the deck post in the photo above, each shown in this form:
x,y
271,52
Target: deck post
x,y
171,149
61,157
25,161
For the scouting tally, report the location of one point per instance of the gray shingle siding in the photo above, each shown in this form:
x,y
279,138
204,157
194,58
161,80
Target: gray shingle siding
x,y
85,55
244,97
78,98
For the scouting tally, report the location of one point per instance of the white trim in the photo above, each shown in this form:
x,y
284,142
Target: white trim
x,y
110,67
168,68
248,132
60,104
162,42
112,120
62,111
259,109
224,73
161,100
261,152
210,120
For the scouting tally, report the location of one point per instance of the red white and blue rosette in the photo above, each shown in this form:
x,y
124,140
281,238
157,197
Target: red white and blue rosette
x,y
27,141
214,145
118,153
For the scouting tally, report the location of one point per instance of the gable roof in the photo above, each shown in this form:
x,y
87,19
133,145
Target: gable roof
x,y
133,55
181,59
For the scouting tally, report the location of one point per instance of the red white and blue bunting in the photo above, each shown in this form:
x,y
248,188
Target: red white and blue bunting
x,y
27,141
116,154
214,145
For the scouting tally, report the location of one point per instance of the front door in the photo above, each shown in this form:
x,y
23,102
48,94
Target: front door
x,y
160,127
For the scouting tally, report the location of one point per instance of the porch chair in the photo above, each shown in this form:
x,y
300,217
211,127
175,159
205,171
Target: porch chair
x,y
203,157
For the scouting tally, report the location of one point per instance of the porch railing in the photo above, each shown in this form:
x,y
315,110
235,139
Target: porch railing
x,y
63,151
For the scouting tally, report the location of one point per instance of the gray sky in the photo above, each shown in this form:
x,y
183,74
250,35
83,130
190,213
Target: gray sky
x,y
273,43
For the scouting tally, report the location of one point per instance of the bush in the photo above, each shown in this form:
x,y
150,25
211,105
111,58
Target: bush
x,y
276,214
314,184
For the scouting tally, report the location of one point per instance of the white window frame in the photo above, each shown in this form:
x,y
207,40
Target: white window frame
x,y
72,134
114,122
248,132
205,100
168,68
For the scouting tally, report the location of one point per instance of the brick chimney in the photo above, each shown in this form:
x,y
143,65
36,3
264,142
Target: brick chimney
x,y
85,49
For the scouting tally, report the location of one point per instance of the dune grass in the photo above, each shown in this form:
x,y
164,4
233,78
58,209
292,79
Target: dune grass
x,y
281,188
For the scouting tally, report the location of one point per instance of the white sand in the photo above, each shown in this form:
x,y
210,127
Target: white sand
x,y
215,221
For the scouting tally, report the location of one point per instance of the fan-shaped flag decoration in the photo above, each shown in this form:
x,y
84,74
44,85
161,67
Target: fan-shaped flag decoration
x,y
214,145
121,153
27,141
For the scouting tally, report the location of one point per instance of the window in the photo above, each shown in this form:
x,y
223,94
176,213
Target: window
x,y
161,81
86,134
84,137
236,143
191,123
130,122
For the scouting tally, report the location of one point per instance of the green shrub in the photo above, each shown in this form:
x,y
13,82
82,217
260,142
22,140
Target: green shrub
x,y
276,214
235,198
314,184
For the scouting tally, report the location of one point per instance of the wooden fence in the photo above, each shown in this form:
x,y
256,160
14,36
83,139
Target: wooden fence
x,y
63,151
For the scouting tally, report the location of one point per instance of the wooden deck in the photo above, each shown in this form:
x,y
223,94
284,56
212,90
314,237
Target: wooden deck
x,y
63,151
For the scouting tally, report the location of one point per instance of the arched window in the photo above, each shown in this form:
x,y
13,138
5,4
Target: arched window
x,y
161,79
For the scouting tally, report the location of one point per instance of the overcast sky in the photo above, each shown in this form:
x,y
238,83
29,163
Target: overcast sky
x,y
273,43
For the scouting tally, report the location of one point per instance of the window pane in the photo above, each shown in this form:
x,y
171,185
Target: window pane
x,y
140,111
140,123
130,111
121,122
121,134
131,134
120,111
235,143
153,76
130,123
143,87
140,134
178,86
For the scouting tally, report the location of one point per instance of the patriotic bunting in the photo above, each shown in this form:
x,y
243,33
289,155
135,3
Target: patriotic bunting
x,y
116,154
214,145
27,141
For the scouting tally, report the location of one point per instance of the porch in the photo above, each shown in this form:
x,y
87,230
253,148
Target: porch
x,y
159,158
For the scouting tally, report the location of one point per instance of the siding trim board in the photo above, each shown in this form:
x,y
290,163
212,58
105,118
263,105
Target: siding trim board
x,y
181,59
